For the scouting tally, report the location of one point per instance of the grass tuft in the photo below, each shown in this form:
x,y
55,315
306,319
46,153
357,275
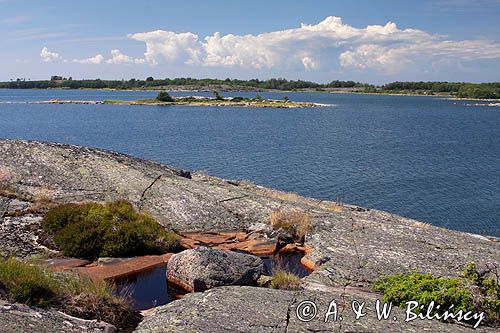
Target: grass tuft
x,y
295,222
284,280
28,283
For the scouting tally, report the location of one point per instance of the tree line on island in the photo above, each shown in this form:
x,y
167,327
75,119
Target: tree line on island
x,y
458,89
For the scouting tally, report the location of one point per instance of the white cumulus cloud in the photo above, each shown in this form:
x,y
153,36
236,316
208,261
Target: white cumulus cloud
x,y
169,46
48,56
330,43
96,60
117,57
309,63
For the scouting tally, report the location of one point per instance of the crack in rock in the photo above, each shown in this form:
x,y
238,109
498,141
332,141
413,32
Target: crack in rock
x,y
6,210
147,189
235,198
353,231
294,300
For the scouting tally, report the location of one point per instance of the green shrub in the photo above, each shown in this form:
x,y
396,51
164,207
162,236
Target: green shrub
x,y
488,286
81,239
476,291
164,96
284,280
115,229
59,217
424,288
217,96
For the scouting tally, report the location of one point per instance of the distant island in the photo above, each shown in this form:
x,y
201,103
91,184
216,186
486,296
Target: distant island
x,y
446,89
164,99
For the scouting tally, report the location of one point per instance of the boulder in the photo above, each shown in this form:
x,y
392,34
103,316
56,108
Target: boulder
x,y
205,268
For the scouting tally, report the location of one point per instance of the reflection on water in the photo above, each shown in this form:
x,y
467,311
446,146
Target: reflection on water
x,y
287,262
146,289
150,288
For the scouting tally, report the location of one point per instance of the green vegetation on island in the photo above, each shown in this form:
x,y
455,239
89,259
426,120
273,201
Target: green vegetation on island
x,y
453,89
92,230
151,83
457,89
164,98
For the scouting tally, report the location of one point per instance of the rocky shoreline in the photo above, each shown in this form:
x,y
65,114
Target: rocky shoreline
x,y
350,246
195,102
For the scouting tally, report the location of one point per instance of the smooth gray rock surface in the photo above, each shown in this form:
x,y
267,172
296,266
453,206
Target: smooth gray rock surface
x,y
252,309
205,268
19,318
351,246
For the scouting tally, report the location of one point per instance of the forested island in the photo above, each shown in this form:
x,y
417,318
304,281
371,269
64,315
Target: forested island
x,y
448,89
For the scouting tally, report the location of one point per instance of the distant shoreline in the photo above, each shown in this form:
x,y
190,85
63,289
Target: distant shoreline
x,y
329,91
466,90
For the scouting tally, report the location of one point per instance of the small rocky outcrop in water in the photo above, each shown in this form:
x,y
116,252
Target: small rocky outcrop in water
x,y
205,268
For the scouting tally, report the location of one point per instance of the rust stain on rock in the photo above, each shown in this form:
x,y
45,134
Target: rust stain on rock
x,y
294,247
310,265
180,283
230,241
64,264
122,267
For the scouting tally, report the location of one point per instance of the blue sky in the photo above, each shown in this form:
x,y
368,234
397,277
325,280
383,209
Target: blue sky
x,y
368,41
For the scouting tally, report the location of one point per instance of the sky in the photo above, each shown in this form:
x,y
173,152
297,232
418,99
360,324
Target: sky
x,y
318,40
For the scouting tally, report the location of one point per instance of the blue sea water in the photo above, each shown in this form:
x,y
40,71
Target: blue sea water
x,y
428,158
